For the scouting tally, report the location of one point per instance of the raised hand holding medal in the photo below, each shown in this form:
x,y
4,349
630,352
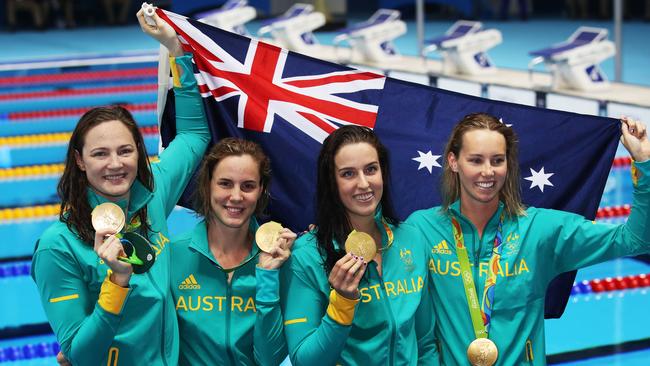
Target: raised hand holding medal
x,y
131,249
361,244
348,271
275,244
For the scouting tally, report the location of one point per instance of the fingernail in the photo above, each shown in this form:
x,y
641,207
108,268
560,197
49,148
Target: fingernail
x,y
361,258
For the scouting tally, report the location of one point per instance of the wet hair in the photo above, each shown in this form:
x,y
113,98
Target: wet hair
x,y
510,193
332,220
72,187
230,147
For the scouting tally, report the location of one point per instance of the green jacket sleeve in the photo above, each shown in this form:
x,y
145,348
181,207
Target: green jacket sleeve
x,y
269,344
83,328
580,242
312,336
180,159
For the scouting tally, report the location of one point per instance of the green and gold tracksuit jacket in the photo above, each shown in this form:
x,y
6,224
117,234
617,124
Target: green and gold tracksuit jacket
x,y
537,247
95,321
390,324
236,322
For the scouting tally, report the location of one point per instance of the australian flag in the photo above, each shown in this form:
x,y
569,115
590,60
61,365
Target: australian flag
x,y
289,103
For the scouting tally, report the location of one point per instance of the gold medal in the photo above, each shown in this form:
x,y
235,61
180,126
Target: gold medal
x,y
361,244
108,216
482,352
266,235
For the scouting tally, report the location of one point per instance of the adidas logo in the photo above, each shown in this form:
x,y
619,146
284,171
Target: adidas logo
x,y
441,248
189,284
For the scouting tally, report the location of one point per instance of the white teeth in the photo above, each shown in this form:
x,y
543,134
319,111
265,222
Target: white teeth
x,y
364,196
234,209
114,177
485,184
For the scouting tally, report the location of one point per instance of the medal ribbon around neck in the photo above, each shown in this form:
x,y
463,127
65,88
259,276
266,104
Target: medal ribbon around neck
x,y
481,315
389,235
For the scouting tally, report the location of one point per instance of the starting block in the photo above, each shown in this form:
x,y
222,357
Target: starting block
x,y
574,64
230,17
294,28
373,39
464,48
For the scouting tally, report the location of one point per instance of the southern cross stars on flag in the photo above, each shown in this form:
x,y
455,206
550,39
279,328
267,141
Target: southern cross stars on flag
x,y
538,179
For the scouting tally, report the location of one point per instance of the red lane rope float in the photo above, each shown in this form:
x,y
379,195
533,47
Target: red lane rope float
x,y
620,283
78,76
85,91
14,116
622,161
614,211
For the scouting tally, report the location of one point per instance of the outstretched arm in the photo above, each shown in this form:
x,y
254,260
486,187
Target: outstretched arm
x,y
182,156
578,242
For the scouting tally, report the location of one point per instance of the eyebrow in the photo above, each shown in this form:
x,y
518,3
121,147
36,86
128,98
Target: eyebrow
x,y
365,166
106,148
231,180
481,155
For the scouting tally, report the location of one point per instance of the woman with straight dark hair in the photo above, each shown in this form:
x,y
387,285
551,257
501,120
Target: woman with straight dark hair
x,y
102,313
492,258
345,308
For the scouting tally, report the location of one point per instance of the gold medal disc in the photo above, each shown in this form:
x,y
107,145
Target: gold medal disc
x,y
266,235
108,216
482,352
361,244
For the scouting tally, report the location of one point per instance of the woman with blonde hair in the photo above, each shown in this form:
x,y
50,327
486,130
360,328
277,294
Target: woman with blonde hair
x,y
492,258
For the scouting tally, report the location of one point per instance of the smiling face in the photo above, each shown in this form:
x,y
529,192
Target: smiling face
x,y
359,180
109,158
235,189
481,166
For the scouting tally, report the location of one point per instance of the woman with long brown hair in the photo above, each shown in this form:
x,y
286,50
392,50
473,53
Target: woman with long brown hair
x,y
100,311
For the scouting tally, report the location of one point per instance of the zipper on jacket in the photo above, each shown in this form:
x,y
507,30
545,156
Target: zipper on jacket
x,y
477,257
529,351
113,355
228,311
162,343
391,317
475,247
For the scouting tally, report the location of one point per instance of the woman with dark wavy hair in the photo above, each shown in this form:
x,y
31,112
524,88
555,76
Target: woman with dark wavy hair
x,y
99,311
492,258
343,308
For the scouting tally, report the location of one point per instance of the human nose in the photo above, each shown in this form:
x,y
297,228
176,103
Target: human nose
x,y
487,170
363,181
115,162
235,194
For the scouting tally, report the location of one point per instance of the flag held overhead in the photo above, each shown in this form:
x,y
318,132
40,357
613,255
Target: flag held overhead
x,y
289,103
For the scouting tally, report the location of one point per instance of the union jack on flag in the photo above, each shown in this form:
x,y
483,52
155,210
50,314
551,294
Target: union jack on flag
x,y
289,103
314,102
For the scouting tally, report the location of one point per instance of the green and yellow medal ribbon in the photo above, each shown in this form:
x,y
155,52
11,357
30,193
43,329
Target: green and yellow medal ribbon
x,y
480,313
